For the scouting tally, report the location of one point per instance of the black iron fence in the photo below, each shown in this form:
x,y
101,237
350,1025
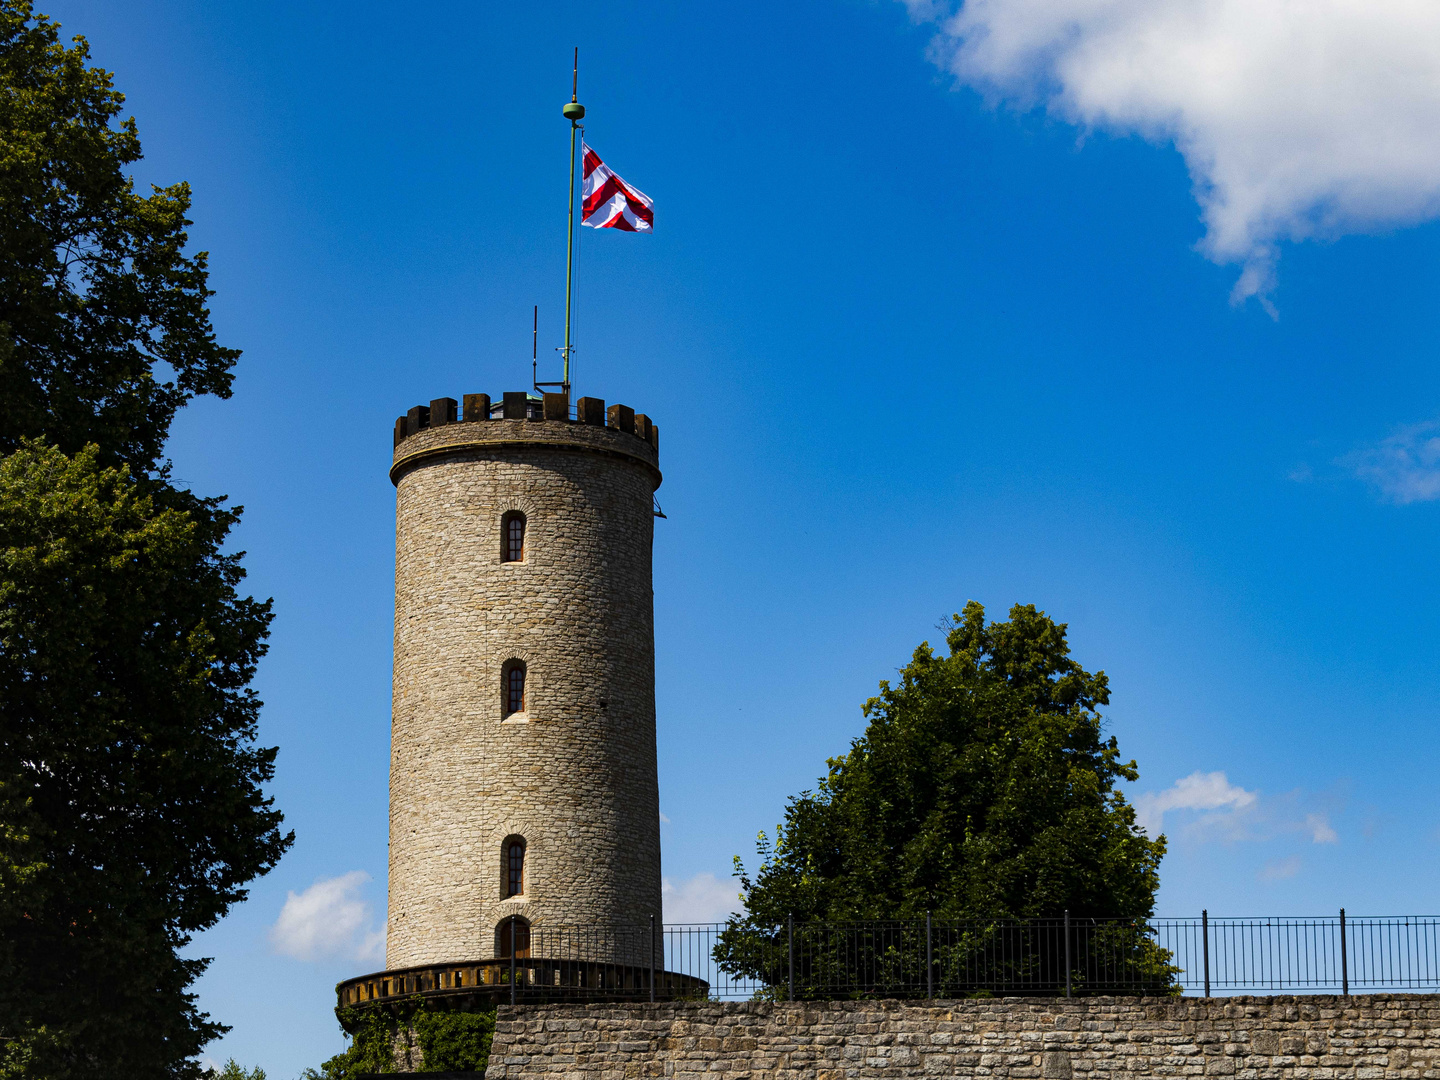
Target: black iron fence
x,y
1064,956
928,958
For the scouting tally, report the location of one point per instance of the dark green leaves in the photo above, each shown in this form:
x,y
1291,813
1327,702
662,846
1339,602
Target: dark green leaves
x,y
95,287
983,787
132,810
136,814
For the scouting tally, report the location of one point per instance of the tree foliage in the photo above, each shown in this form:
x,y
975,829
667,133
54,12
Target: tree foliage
x,y
104,328
371,1049
125,658
233,1070
443,1040
132,811
982,788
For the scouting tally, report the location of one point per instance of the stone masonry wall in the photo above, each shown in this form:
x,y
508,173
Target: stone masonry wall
x,y
1252,1038
574,774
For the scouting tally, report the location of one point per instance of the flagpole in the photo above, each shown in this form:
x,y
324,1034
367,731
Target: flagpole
x,y
574,112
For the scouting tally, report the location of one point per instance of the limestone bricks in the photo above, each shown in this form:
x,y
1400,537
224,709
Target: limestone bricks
x,y
1324,1037
574,772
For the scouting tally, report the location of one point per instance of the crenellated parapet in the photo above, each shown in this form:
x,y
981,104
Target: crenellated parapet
x,y
435,432
518,405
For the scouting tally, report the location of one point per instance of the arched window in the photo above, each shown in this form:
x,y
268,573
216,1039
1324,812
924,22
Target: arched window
x,y
512,677
514,931
515,868
512,537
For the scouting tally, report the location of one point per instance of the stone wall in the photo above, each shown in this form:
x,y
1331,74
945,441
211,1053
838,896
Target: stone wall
x,y
1264,1038
574,773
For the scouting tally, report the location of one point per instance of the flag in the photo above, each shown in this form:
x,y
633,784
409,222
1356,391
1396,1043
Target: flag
x,y
609,202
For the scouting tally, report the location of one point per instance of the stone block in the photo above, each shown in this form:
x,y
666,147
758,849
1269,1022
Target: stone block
x,y
442,411
591,410
1055,1065
477,407
515,405
556,406
417,419
621,418
1265,1042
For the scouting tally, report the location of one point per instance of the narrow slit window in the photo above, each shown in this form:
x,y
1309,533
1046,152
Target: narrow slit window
x,y
513,538
515,689
515,868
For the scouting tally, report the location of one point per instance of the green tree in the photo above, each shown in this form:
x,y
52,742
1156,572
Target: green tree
x,y
444,1040
125,658
982,788
97,294
233,1070
132,811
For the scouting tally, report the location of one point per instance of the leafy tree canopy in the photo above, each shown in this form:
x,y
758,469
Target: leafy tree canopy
x,y
132,811
233,1070
104,328
983,787
443,1040
125,658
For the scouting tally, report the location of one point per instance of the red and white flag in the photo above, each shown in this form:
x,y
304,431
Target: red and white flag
x,y
611,203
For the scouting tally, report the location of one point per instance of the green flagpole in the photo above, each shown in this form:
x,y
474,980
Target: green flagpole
x,y
574,112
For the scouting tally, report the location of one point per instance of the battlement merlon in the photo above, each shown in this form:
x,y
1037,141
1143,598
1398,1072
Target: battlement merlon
x,y
446,426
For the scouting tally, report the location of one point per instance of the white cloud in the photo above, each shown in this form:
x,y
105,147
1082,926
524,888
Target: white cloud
x,y
1405,467
329,920
1320,830
701,899
1224,811
1280,869
1198,791
1296,119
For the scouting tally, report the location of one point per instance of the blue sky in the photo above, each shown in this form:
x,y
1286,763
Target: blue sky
x,y
937,308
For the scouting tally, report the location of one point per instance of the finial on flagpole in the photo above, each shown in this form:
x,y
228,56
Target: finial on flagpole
x,y
574,111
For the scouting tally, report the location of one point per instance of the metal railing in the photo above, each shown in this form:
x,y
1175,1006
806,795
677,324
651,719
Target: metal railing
x,y
930,958
539,963
1064,956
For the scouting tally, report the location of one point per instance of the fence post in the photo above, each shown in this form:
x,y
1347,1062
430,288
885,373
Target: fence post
x,y
929,962
512,959
790,934
1067,952
1344,958
1205,946
652,958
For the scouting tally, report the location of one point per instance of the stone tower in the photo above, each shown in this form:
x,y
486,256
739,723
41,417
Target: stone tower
x,y
522,771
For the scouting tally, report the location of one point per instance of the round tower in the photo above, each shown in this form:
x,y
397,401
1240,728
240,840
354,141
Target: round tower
x,y
523,787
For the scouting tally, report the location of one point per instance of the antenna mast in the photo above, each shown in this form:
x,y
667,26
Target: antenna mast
x,y
535,350
574,112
